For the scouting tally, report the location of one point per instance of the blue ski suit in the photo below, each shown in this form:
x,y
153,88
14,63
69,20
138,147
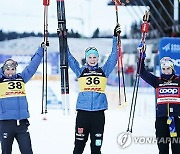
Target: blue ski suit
x,y
93,101
91,104
14,109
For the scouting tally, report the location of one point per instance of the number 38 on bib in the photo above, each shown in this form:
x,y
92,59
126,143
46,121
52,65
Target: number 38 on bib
x,y
12,89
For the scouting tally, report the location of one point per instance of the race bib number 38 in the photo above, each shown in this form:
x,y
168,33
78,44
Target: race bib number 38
x,y
12,89
92,83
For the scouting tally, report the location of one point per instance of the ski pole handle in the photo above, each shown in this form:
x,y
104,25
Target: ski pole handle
x,y
117,2
46,2
145,27
146,20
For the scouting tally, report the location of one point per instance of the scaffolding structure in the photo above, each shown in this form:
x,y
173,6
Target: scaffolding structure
x,y
164,16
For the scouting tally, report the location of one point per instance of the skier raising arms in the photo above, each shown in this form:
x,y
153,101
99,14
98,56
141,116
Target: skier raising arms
x,y
13,103
92,101
167,88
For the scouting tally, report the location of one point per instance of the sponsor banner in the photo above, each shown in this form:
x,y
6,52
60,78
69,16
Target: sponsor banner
x,y
170,47
3,58
52,77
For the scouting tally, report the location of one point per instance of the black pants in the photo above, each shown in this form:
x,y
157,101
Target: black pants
x,y
10,129
89,122
163,136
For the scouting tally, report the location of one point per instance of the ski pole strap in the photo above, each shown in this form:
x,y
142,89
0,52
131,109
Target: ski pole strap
x,y
139,64
46,2
142,49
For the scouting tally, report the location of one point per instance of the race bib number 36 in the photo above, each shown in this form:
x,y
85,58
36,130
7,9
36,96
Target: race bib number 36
x,y
92,83
12,89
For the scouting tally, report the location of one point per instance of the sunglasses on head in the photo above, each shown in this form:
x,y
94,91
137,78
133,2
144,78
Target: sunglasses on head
x,y
166,59
11,66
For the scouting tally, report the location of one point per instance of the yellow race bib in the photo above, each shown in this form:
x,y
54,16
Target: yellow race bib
x,y
12,89
92,83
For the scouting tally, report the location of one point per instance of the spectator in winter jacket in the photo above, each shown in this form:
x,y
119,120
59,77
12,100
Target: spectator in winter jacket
x,y
14,112
92,101
167,88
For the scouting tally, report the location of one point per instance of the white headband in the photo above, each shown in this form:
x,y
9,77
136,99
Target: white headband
x,y
167,62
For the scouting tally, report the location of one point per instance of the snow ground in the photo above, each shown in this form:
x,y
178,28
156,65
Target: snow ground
x,y
56,134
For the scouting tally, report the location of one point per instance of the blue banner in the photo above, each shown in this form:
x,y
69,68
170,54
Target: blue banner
x,y
23,60
170,47
3,58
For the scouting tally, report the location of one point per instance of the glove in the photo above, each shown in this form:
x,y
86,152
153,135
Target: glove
x,y
117,30
44,45
142,49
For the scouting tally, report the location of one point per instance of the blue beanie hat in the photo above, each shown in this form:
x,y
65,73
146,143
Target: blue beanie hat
x,y
91,50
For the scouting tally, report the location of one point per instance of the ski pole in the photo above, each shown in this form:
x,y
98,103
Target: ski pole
x,y
44,78
120,62
144,31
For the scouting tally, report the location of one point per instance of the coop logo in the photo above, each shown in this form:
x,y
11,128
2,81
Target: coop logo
x,y
168,91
